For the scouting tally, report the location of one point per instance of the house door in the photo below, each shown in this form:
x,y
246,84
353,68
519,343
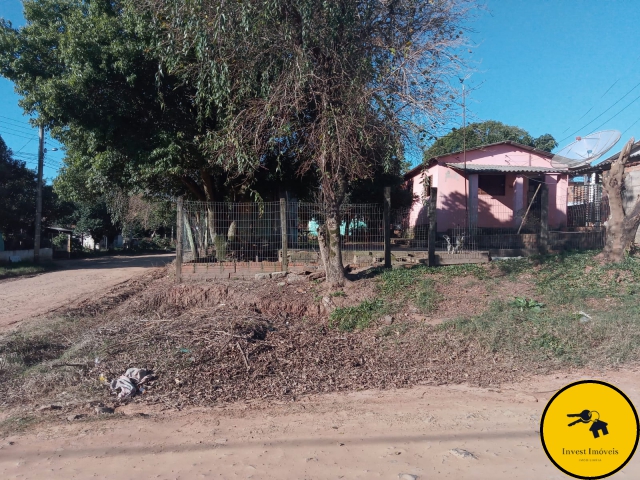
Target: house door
x,y
532,221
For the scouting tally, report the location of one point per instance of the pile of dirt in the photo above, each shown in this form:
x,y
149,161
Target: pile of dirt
x,y
242,340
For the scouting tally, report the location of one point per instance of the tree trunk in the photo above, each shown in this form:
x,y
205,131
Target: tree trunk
x,y
331,249
621,226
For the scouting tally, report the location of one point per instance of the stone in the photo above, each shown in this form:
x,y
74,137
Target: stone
x,y
43,408
263,276
281,284
296,278
317,276
276,275
387,319
407,476
103,410
461,453
220,441
76,416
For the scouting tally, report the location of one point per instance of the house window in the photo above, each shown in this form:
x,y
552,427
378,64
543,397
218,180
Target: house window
x,y
493,185
426,187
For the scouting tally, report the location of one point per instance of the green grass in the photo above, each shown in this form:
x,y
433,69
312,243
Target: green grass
x,y
359,317
24,268
534,332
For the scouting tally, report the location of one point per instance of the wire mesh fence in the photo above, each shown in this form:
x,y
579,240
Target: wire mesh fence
x,y
254,236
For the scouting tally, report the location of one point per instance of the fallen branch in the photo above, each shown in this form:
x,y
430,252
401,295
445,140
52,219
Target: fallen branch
x,y
246,362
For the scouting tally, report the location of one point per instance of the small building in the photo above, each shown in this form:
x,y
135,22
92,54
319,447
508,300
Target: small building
x,y
489,187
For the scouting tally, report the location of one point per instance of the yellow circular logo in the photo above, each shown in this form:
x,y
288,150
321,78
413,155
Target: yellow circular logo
x,y
589,429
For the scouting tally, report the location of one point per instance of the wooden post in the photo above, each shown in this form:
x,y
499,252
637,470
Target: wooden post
x,y
543,241
179,241
68,245
432,226
387,227
283,230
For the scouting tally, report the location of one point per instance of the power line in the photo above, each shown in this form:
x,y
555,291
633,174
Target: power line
x,y
619,100
4,127
12,120
6,124
592,107
627,106
16,135
631,126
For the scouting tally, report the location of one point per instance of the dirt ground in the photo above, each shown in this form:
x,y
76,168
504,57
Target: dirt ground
x,y
368,434
25,297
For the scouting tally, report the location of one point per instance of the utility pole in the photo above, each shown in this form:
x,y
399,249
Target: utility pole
x,y
36,246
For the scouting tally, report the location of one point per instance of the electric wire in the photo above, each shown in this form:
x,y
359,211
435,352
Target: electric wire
x,y
589,123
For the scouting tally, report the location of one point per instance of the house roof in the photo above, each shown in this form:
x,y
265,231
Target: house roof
x,y
416,170
471,168
606,164
60,229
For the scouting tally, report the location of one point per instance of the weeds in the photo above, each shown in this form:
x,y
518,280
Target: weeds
x,y
523,304
360,317
24,268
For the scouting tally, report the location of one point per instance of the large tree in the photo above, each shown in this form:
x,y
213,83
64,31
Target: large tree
x,y
344,81
483,133
624,219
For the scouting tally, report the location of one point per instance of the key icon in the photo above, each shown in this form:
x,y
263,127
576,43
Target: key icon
x,y
584,417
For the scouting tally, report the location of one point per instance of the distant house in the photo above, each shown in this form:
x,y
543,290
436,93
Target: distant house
x,y
488,187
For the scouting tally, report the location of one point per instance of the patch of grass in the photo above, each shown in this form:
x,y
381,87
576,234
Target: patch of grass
x,y
523,303
359,317
339,293
513,267
396,281
426,296
20,269
16,424
572,278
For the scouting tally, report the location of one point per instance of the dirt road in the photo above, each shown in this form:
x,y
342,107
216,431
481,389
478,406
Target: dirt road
x,y
363,435
27,297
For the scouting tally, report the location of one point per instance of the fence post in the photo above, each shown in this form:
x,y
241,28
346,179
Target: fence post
x,y
432,226
283,229
543,240
387,227
179,241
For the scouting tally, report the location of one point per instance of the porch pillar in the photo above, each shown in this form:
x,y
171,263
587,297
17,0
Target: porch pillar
x,y
472,202
518,201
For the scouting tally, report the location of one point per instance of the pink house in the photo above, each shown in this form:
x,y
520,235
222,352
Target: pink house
x,y
489,187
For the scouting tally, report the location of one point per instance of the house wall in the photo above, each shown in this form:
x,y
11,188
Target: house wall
x,y
492,212
632,190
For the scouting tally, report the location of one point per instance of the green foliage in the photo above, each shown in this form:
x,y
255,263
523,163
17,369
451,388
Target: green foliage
x,y
523,304
24,268
477,134
427,297
339,293
360,317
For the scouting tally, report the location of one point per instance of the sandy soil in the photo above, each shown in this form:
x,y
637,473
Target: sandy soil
x,y
366,434
27,297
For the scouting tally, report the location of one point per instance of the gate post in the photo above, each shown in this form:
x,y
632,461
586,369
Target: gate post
x,y
179,241
283,230
432,226
543,241
386,220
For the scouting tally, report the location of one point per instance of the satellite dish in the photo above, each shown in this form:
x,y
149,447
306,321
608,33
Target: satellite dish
x,y
586,149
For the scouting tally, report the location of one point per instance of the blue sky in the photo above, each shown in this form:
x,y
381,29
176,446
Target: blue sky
x,y
547,66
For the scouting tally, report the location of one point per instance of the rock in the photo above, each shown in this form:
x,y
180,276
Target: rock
x,y
281,284
103,410
11,443
43,408
585,317
276,275
387,319
407,476
326,300
340,444
461,453
220,441
76,416
263,276
317,276
296,278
